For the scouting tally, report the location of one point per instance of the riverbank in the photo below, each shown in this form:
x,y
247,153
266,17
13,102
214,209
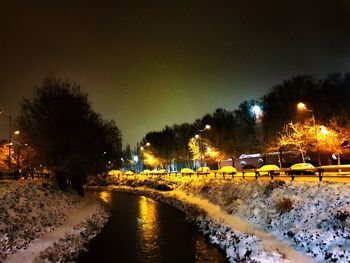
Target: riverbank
x,y
311,218
40,223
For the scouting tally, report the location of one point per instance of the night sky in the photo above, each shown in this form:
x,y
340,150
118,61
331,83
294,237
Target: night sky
x,y
161,63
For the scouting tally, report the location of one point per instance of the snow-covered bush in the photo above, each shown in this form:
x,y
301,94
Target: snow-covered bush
x,y
68,248
28,209
284,205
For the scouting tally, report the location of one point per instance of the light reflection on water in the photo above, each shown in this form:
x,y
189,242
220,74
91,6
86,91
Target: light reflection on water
x,y
143,230
148,227
106,196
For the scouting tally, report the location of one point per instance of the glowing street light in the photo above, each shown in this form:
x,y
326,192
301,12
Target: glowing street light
x,y
10,136
258,113
16,133
146,145
142,148
199,136
324,130
302,107
135,159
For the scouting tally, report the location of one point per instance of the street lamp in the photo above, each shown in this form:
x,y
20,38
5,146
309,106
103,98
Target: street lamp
x,y
10,136
302,107
199,136
135,159
16,133
258,113
146,145
142,148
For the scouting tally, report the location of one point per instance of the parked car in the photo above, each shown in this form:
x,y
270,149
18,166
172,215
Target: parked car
x,y
146,172
227,170
114,172
268,169
302,168
186,171
203,170
162,171
154,172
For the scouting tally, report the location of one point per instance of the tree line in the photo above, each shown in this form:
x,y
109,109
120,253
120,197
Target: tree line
x,y
69,138
245,130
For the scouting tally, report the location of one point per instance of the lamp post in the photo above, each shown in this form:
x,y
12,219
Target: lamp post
x,y
17,132
199,136
142,148
135,159
301,106
10,137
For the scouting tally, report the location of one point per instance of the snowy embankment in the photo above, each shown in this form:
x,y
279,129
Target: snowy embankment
x,y
312,218
41,223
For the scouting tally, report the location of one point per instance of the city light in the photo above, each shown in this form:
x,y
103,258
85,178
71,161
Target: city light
x,y
301,106
324,130
258,113
135,158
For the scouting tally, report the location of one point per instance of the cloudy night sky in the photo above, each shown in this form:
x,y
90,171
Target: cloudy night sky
x,y
147,64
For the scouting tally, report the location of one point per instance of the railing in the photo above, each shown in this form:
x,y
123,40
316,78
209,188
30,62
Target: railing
x,y
17,176
284,173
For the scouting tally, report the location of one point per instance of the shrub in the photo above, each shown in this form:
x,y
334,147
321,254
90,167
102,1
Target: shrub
x,y
272,185
163,187
342,216
284,205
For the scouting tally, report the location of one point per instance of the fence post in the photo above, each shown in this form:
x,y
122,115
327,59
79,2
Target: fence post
x,y
320,173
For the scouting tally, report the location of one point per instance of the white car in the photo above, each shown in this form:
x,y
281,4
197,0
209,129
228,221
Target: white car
x,y
227,170
268,168
186,171
303,168
203,170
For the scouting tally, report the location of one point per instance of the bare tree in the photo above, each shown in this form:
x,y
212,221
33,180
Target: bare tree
x,y
295,136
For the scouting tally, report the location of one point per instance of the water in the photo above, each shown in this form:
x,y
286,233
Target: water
x,y
143,230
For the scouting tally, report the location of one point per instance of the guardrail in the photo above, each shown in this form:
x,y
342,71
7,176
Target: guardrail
x,y
332,171
17,176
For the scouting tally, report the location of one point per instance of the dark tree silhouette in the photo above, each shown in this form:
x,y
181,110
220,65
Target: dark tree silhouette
x,y
68,136
236,132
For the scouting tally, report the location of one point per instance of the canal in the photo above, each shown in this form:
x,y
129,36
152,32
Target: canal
x,y
143,230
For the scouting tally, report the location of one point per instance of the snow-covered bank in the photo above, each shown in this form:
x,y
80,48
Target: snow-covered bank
x,y
36,214
313,218
235,237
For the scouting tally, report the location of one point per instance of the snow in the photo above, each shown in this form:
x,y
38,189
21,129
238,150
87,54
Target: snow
x,y
37,217
314,225
252,221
